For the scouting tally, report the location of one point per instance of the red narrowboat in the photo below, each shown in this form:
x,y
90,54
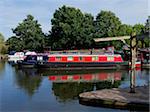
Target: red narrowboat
x,y
80,61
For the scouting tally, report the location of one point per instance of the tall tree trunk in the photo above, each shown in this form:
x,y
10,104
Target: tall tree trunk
x,y
133,44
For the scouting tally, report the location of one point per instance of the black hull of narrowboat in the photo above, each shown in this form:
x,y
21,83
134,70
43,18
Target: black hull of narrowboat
x,y
26,65
78,65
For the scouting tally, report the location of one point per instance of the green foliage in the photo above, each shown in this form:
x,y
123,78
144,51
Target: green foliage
x,y
146,32
106,24
1,38
139,44
29,35
71,29
15,44
117,44
147,25
138,28
143,30
147,42
3,47
125,30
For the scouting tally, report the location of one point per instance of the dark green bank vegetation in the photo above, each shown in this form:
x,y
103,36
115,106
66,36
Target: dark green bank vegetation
x,y
3,46
73,29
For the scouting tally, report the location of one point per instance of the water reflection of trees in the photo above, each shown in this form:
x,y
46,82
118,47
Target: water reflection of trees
x,y
107,84
68,91
71,90
29,80
2,67
72,72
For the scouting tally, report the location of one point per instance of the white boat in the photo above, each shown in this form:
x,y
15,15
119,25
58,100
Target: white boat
x,y
18,56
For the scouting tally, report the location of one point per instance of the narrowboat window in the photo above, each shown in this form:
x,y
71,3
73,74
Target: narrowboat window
x,y
39,58
80,58
110,58
70,58
28,58
58,58
31,58
34,58
95,58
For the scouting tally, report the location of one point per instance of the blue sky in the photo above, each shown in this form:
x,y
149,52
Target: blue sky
x,y
13,12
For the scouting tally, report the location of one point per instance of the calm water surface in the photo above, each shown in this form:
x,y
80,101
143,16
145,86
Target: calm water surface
x,y
32,90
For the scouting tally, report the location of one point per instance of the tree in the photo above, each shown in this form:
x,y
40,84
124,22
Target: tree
x,y
147,42
1,38
30,34
14,44
147,31
71,29
106,24
88,30
138,29
3,47
125,30
147,25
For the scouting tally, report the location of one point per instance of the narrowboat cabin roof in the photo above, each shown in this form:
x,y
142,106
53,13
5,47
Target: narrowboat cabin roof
x,y
61,55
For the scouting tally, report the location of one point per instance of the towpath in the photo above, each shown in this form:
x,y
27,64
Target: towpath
x,y
117,98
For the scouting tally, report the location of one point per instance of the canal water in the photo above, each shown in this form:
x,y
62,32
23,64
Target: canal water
x,y
32,90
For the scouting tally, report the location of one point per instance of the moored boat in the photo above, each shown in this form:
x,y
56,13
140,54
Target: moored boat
x,y
29,62
127,65
17,56
80,61
32,61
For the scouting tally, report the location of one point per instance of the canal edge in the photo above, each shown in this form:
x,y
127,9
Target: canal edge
x,y
93,98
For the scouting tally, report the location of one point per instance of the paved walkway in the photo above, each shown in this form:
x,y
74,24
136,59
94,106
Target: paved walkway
x,y
118,98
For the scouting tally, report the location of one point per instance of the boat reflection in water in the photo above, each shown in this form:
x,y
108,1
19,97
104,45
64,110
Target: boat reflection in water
x,y
68,87
87,77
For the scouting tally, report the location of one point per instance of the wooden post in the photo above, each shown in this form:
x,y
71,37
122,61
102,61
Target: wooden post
x,y
133,44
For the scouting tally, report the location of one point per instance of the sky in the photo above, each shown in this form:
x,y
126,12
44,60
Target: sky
x,y
12,12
